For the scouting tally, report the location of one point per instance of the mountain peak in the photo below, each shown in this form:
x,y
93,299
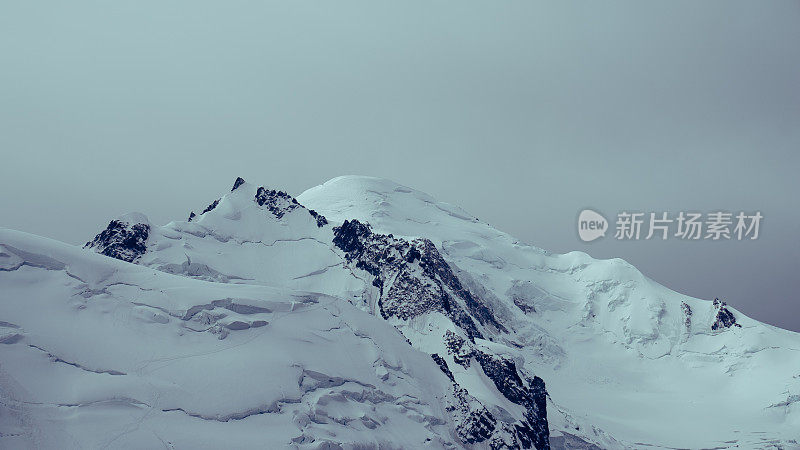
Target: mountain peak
x,y
134,217
496,316
389,207
375,185
239,181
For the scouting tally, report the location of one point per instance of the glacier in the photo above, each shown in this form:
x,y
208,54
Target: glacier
x,y
366,314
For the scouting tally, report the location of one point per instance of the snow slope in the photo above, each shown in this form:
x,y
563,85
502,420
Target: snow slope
x,y
99,353
617,350
367,313
262,236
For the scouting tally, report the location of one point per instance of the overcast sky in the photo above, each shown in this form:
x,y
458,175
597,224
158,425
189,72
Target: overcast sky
x,y
521,112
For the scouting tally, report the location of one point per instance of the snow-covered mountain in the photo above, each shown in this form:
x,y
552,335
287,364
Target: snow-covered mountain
x,y
366,314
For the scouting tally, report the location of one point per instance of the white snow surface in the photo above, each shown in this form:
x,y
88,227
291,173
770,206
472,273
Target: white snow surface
x,y
109,354
240,329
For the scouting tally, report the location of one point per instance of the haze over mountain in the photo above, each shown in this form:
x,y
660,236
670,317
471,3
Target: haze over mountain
x,y
522,113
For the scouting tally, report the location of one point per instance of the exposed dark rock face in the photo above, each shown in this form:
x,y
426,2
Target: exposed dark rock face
x,y
529,393
687,313
211,206
421,280
725,318
280,203
321,220
277,202
122,240
351,237
430,257
476,423
443,365
458,347
239,181
526,308
413,279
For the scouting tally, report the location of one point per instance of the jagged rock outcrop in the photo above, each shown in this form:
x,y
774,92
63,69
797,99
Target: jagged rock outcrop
x,y
211,206
208,208
413,278
724,318
475,422
321,220
459,348
687,316
529,393
239,181
443,365
280,203
277,202
124,238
